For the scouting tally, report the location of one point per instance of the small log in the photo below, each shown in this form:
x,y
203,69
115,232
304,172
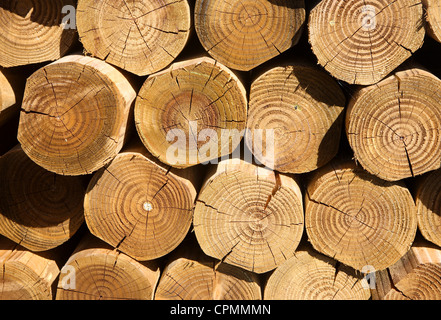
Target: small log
x,y
361,42
193,112
428,202
191,275
416,276
141,37
357,218
75,114
35,31
243,35
25,275
309,275
303,108
393,126
248,216
38,209
140,206
433,18
95,271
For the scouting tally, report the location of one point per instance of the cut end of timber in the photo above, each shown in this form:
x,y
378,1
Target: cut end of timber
x,y
34,32
38,209
361,43
247,217
394,126
243,35
193,112
295,118
141,37
74,115
310,275
139,207
357,218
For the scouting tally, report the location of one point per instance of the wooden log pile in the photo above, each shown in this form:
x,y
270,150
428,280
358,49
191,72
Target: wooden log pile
x,y
220,150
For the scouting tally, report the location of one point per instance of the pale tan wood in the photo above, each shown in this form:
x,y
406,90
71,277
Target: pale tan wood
x,y
393,126
139,205
25,275
433,18
309,275
34,31
244,34
142,37
427,199
416,276
357,218
191,275
95,271
39,210
248,216
75,114
295,118
361,42
193,112
9,96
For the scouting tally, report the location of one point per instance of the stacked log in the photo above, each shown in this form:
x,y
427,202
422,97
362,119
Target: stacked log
x,y
239,150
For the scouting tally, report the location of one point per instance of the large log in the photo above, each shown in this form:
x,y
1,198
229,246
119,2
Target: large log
x,y
191,275
39,210
416,276
35,31
11,94
393,126
193,112
357,218
75,114
309,275
25,275
248,216
361,42
95,271
140,206
142,37
245,34
295,116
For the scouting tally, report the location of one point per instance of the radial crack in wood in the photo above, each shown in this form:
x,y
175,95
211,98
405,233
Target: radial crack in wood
x,y
357,218
142,37
235,223
361,42
75,115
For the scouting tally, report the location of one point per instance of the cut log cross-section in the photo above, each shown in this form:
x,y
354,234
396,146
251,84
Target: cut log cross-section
x,y
142,37
25,275
357,218
244,34
75,114
303,107
310,275
433,18
428,202
39,210
95,271
34,31
193,112
191,275
248,216
140,206
361,42
394,126
416,276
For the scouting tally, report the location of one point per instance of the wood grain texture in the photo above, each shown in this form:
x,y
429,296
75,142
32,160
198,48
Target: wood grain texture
x,y
361,42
